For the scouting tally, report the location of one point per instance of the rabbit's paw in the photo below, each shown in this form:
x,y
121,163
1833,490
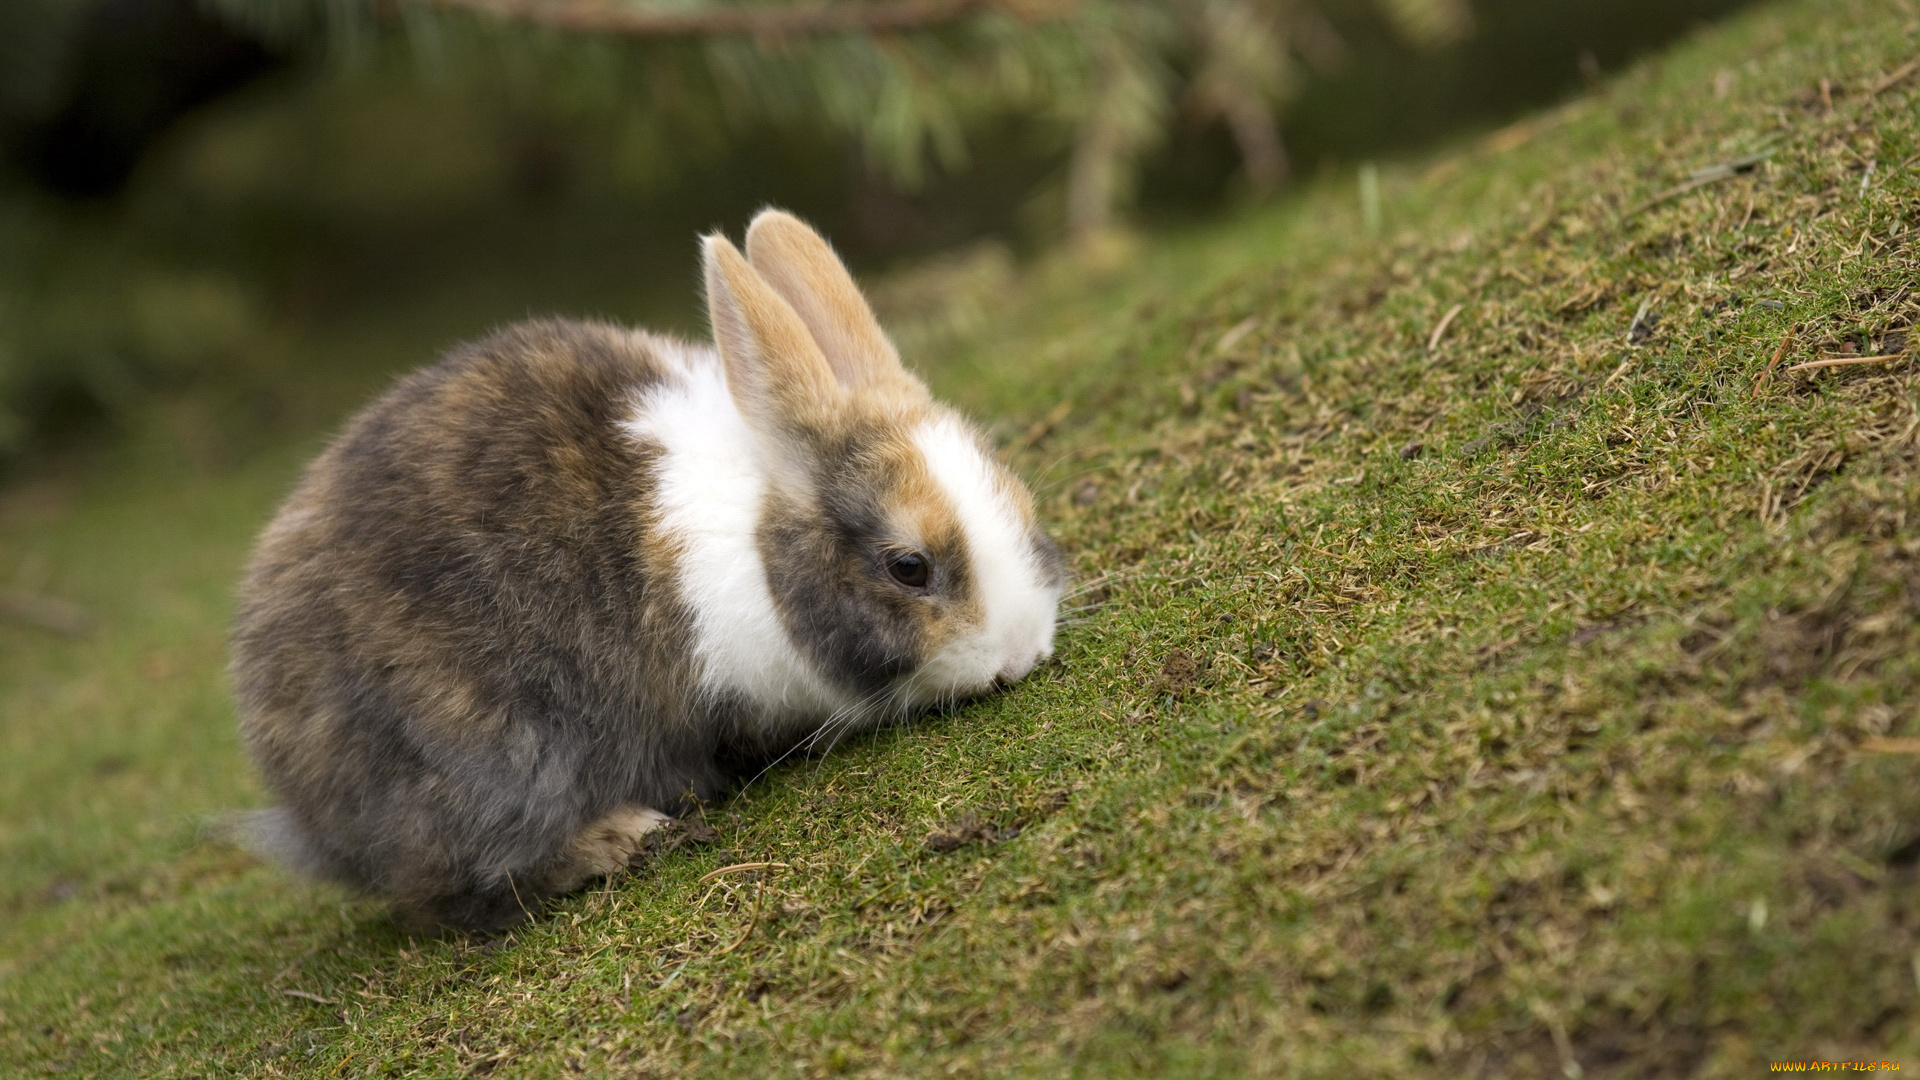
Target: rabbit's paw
x,y
607,845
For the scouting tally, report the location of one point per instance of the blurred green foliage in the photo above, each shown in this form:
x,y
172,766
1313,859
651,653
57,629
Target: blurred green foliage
x,y
89,327
35,38
913,82
513,166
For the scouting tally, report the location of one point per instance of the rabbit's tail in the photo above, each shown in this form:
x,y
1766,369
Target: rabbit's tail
x,y
274,834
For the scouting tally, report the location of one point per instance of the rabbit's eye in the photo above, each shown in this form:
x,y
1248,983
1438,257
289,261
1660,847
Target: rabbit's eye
x,y
910,568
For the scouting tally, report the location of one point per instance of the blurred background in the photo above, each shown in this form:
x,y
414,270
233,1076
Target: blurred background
x,y
194,192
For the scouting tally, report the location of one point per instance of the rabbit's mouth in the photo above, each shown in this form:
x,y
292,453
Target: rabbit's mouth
x,y
970,671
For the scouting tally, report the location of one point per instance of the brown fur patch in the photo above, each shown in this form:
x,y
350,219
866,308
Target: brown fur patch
x,y
932,526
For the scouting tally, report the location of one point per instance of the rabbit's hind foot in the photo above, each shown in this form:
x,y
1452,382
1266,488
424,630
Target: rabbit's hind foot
x,y
607,846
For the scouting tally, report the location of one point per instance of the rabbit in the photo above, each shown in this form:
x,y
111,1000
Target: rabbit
x,y
547,593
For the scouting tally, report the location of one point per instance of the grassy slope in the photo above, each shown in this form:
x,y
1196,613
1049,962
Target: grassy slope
x,y
1527,702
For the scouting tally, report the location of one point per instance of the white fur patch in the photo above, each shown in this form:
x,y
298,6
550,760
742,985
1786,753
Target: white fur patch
x,y
1019,604
710,483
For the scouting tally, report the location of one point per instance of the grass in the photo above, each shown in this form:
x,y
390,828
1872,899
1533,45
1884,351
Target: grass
x,y
1534,697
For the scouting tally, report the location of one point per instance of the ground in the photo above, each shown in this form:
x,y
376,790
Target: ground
x,y
1495,654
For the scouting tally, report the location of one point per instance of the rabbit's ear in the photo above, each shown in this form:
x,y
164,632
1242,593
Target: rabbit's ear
x,y
803,269
774,368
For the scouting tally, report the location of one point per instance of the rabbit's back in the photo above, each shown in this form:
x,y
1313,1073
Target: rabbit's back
x,y
459,639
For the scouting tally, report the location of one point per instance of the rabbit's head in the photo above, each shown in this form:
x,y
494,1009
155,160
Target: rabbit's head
x,y
901,564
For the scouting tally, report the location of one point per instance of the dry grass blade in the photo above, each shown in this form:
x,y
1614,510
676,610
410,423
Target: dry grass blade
x,y
737,868
1440,331
1841,361
1882,744
1039,429
1233,336
759,905
1778,355
1894,78
1640,321
1712,174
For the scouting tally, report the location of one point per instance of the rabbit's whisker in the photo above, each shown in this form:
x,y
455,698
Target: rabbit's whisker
x,y
1084,587
807,744
853,718
1041,483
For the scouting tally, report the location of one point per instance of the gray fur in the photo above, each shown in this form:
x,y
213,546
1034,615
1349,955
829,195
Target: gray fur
x,y
451,653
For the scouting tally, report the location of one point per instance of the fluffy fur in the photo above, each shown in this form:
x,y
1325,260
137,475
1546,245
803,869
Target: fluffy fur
x,y
541,594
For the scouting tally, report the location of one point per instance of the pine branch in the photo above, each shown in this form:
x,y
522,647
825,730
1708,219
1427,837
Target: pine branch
x,y
714,20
